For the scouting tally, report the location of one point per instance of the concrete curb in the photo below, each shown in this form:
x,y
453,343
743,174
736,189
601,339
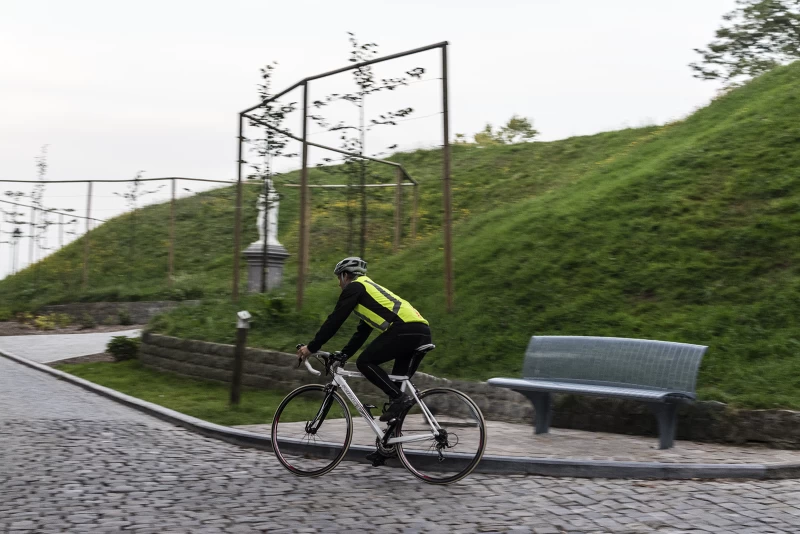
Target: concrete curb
x,y
505,465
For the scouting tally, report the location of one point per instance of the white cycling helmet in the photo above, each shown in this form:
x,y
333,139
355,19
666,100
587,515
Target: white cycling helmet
x,y
351,265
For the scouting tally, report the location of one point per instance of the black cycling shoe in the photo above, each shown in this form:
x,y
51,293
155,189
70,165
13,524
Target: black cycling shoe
x,y
397,406
376,458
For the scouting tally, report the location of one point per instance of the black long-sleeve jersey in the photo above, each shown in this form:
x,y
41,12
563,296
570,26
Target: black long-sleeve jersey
x,y
351,295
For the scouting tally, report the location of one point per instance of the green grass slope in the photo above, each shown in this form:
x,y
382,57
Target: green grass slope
x,y
690,234
129,254
687,232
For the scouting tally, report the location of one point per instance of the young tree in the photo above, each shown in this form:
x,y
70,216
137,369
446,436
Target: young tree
x,y
760,35
516,130
272,145
132,195
353,138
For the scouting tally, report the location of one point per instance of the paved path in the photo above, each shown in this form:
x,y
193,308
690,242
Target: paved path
x,y
508,439
51,348
72,461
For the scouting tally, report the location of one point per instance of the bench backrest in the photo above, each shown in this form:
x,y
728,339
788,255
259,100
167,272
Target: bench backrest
x,y
614,361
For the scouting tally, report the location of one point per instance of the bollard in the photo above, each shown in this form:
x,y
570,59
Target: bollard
x,y
242,325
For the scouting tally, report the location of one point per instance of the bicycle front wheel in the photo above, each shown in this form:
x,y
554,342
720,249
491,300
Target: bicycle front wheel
x,y
456,450
311,430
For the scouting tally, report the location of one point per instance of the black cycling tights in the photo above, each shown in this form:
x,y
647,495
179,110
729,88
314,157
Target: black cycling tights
x,y
398,344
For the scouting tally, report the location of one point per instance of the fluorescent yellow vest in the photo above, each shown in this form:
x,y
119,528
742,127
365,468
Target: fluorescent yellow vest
x,y
385,299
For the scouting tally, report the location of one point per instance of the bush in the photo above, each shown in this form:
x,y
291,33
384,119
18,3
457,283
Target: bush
x,y
24,317
123,347
87,321
124,316
5,314
62,320
45,322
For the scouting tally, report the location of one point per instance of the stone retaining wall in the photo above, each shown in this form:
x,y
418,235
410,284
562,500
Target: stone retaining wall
x,y
109,312
702,421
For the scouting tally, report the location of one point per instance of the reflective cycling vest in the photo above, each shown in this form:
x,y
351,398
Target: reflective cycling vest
x,y
383,307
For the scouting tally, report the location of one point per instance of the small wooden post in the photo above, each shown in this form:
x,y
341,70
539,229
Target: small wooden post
x,y
305,211
237,223
414,214
86,237
398,209
446,193
172,237
242,325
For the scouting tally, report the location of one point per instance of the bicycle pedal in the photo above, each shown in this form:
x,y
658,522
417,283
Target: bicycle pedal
x,y
377,458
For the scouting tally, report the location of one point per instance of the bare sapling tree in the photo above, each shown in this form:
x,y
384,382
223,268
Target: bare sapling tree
x,y
36,199
13,223
10,232
272,145
132,197
353,137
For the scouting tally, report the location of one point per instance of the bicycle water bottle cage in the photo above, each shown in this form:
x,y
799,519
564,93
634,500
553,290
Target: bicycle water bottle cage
x,y
369,408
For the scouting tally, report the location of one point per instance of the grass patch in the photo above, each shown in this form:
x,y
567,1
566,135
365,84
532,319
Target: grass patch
x,y
199,398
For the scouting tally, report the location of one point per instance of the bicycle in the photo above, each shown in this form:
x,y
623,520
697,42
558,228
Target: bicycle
x,y
440,439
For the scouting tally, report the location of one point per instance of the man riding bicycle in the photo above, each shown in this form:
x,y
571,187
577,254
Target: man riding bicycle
x,y
402,329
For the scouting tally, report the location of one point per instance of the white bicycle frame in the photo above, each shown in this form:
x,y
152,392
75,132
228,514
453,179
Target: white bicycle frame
x,y
339,376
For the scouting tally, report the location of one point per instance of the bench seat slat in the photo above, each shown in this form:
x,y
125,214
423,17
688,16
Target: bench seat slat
x,y
521,384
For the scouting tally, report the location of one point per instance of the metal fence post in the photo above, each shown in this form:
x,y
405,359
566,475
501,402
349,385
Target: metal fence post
x,y
171,275
448,210
398,210
86,237
242,325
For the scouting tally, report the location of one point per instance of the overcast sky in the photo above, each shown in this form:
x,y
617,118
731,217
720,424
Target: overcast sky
x,y
114,88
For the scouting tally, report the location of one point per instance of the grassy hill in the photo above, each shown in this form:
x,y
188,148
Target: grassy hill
x,y
686,232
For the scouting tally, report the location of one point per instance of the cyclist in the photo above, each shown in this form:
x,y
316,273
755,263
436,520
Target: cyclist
x,y
402,329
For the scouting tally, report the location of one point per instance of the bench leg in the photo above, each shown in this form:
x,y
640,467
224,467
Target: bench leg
x,y
666,413
543,408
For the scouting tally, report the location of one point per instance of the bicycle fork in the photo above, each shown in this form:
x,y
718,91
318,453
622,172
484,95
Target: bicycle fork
x,y
313,425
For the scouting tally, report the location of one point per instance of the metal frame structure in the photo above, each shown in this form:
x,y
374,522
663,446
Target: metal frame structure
x,y
305,221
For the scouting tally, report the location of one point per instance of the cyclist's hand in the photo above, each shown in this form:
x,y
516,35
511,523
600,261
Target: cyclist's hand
x,y
303,353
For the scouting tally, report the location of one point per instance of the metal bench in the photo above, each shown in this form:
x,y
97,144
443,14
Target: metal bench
x,y
659,373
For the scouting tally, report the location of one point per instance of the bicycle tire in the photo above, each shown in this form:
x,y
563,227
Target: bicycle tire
x,y
309,454
435,461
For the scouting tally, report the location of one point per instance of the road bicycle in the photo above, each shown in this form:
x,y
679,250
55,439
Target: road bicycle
x,y
440,439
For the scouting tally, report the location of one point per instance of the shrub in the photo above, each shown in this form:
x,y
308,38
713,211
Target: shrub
x,y
87,321
5,314
123,347
62,320
24,317
124,316
45,322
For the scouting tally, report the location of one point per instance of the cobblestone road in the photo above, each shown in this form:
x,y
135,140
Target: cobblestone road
x,y
71,461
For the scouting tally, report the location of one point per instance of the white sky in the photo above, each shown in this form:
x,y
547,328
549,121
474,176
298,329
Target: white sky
x,y
114,88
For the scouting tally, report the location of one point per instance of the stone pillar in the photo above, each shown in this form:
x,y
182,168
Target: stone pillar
x,y
276,256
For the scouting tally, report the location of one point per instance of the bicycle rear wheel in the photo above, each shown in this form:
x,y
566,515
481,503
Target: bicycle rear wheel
x,y
453,454
311,430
